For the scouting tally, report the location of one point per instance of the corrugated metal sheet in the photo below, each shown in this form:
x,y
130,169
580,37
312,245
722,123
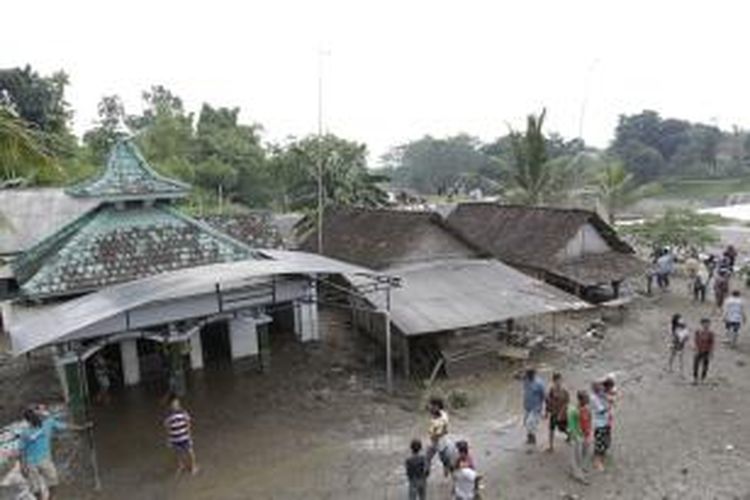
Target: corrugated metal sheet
x,y
38,328
27,216
451,294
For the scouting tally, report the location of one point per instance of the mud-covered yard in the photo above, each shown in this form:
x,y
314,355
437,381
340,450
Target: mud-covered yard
x,y
319,425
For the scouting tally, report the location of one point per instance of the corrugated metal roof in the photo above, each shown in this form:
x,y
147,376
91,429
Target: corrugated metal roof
x,y
40,327
27,216
450,294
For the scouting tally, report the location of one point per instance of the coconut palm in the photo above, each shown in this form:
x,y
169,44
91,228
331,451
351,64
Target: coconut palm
x,y
21,151
616,189
531,172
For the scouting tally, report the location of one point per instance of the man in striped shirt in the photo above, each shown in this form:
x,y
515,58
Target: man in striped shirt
x,y
177,424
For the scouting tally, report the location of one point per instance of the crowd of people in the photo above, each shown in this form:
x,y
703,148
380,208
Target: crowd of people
x,y
586,423
586,420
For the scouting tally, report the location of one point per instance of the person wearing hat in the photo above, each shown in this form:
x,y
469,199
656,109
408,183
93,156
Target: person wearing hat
x,y
704,348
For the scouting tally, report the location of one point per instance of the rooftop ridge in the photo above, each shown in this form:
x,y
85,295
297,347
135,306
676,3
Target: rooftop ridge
x,y
128,176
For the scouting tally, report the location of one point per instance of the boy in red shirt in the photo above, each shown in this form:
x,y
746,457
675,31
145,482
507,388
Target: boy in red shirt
x,y
704,347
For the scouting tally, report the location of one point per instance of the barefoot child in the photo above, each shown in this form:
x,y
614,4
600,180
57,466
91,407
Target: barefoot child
x,y
178,424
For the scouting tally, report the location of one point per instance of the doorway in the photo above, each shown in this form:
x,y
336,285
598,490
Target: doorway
x,y
217,349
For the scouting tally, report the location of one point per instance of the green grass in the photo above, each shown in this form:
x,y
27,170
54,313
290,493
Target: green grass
x,y
704,188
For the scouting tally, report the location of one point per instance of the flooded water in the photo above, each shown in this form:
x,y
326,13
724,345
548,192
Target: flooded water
x,y
284,434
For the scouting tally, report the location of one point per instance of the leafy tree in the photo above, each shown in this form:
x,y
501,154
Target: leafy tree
x,y
164,129
107,131
40,102
681,229
645,162
232,155
346,179
22,154
438,166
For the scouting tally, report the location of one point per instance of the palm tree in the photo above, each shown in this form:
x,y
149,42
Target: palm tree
x,y
21,151
531,170
616,189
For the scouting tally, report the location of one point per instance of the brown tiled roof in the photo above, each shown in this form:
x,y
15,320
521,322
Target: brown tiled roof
x,y
253,229
382,238
526,236
598,269
111,245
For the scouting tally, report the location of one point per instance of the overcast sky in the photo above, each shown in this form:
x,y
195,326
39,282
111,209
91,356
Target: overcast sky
x,y
397,70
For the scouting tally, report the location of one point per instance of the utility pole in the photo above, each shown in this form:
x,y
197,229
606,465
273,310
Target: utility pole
x,y
320,151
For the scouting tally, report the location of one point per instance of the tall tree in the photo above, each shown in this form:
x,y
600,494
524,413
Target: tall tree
x,y
438,166
531,171
229,157
346,179
108,129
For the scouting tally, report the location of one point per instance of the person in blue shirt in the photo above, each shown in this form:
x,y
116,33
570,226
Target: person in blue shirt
x,y
600,412
35,449
533,404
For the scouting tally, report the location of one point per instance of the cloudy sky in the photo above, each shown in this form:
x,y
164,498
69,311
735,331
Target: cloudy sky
x,y
397,70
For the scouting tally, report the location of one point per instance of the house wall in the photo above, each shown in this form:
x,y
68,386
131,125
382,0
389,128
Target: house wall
x,y
586,241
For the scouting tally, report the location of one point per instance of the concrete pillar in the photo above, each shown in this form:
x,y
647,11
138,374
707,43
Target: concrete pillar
x,y
306,324
243,337
196,351
131,368
76,389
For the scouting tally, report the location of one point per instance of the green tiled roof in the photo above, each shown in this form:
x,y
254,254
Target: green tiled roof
x,y
127,176
111,245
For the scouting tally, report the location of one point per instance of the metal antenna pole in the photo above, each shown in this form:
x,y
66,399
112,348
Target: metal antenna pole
x,y
320,152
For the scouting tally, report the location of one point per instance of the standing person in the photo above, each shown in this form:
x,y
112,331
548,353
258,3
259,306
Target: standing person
x,y
700,283
587,428
417,470
734,317
101,373
704,347
438,433
721,287
533,404
576,435
730,257
556,405
664,268
36,450
610,395
677,340
602,429
464,481
178,426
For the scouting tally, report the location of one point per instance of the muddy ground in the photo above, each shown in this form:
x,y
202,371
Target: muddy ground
x,y
319,425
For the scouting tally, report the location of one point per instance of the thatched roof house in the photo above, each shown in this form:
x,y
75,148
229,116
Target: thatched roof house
x,y
383,238
573,248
